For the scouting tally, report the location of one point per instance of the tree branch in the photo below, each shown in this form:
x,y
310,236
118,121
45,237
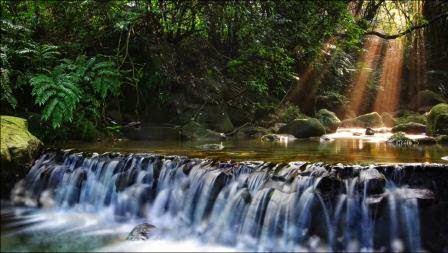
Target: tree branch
x,y
410,29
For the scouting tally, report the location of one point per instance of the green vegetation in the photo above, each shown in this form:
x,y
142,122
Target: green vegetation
x,y
85,69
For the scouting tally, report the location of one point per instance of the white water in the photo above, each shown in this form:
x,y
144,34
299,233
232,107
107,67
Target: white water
x,y
199,205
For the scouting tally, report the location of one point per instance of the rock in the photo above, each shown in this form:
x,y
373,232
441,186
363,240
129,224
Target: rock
x,y
410,128
425,99
211,146
369,131
216,118
141,232
438,119
388,119
334,101
442,139
276,127
270,138
195,131
277,138
371,120
428,140
18,150
400,139
251,132
304,128
372,181
328,119
357,134
409,116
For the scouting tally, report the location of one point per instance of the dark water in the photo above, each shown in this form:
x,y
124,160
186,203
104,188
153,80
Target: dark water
x,y
91,202
340,150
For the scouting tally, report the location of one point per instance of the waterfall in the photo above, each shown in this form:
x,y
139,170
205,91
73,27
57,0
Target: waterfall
x,y
250,205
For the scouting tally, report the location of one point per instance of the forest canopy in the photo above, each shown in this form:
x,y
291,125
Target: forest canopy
x,y
79,67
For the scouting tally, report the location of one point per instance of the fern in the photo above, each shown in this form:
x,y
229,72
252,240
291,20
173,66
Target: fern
x,y
105,78
59,96
5,83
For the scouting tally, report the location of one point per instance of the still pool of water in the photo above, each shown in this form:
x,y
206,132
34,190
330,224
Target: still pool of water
x,y
342,146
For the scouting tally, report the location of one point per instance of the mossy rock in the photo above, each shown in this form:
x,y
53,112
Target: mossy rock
x,y
408,117
400,139
438,119
410,128
195,131
216,118
328,119
428,140
371,120
18,150
18,145
249,132
388,119
442,139
304,128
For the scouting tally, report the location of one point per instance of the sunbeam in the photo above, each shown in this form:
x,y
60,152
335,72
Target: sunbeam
x,y
368,62
388,95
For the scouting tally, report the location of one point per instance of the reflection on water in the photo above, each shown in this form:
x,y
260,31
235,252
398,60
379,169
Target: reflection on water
x,y
343,146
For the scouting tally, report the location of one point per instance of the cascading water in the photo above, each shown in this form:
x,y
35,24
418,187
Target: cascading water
x,y
246,206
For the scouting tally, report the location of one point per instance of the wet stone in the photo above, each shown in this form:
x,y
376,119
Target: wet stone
x,y
141,232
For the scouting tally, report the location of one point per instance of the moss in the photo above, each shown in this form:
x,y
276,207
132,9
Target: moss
x,y
400,139
442,139
195,131
328,119
304,128
371,120
408,117
410,128
438,119
17,143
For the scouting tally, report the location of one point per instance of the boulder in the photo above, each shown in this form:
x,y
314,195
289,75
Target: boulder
x,y
18,149
195,131
410,128
428,140
328,119
371,181
369,131
216,118
335,101
277,137
388,119
409,116
304,128
141,232
251,132
442,139
400,139
438,119
371,120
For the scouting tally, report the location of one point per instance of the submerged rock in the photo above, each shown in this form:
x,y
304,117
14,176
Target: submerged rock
x,y
304,128
328,119
212,146
410,128
442,139
438,119
400,139
141,232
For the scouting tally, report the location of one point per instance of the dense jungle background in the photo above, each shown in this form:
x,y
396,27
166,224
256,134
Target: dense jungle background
x,y
88,69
